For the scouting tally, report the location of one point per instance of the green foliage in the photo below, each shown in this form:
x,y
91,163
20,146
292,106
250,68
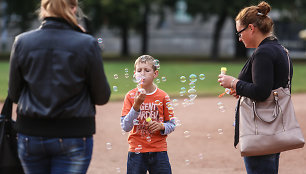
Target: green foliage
x,y
24,12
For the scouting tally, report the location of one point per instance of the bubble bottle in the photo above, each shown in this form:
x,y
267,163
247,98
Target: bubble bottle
x,y
148,120
227,90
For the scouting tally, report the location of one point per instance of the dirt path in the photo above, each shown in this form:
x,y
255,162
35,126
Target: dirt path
x,y
205,151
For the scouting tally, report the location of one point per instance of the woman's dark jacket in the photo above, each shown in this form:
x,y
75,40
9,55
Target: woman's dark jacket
x,y
265,70
57,78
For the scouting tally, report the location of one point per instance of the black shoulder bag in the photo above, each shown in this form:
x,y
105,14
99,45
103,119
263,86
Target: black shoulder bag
x,y
9,161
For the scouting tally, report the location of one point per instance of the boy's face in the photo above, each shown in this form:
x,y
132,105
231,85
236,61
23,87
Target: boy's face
x,y
146,70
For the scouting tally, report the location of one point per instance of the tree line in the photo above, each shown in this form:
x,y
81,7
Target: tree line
x,y
127,15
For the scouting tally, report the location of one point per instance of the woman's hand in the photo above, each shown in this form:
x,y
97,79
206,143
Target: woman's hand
x,y
227,81
156,126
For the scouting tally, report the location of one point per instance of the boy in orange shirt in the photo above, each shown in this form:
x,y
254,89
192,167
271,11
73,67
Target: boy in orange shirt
x,y
146,114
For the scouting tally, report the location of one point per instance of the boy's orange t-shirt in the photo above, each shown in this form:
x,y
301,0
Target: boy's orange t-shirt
x,y
154,106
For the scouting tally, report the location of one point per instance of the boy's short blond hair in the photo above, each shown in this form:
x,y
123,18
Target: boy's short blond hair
x,y
147,59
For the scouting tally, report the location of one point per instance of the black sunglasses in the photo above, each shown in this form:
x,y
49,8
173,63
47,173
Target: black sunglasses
x,y
239,32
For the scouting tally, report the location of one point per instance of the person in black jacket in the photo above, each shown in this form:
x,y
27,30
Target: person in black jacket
x,y
267,69
56,79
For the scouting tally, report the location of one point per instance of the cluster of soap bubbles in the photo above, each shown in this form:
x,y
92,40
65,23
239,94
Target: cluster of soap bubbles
x,y
191,91
200,156
116,77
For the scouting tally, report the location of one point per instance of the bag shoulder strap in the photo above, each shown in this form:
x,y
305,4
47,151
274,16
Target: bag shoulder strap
x,y
7,108
289,79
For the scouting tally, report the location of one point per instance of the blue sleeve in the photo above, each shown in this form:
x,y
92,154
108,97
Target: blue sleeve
x,y
169,127
127,121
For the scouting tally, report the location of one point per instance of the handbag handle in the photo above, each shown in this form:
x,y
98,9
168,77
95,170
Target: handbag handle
x,y
277,110
7,108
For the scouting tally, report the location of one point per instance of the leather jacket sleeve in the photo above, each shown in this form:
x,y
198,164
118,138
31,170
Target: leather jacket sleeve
x,y
98,85
16,81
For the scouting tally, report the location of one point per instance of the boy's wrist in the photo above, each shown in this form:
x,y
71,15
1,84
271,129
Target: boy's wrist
x,y
136,108
162,126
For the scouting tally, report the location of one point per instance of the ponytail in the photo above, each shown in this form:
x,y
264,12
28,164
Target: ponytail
x,y
59,8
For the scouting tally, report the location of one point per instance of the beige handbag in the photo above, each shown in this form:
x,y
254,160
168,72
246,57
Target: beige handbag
x,y
270,126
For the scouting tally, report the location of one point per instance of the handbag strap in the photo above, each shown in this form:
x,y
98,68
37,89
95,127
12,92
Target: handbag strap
x,y
6,111
289,79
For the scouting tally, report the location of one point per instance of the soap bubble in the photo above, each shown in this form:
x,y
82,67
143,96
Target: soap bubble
x,y
193,78
220,131
109,146
187,134
192,97
136,122
118,170
221,106
187,162
132,95
183,79
157,102
227,90
200,156
183,90
164,79
192,85
115,88
148,139
126,75
115,76
167,98
177,122
157,81
161,119
137,150
126,70
175,102
202,76
137,77
156,64
100,40
192,91
208,136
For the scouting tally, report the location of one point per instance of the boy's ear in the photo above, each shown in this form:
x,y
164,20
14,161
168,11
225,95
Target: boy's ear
x,y
155,74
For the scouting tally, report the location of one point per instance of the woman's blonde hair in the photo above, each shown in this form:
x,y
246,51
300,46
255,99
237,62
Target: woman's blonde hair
x,y
59,8
258,16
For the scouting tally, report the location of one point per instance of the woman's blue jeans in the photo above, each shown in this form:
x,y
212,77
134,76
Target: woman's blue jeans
x,y
154,162
41,155
266,164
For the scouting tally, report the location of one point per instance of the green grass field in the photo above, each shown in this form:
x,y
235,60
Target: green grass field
x,y
172,72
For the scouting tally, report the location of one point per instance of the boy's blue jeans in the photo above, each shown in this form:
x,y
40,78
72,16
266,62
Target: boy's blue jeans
x,y
154,162
266,164
41,155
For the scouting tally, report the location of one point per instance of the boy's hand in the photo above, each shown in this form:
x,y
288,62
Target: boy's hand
x,y
139,98
156,126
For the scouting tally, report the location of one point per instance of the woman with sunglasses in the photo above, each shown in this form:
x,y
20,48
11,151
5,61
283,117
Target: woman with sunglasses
x,y
265,70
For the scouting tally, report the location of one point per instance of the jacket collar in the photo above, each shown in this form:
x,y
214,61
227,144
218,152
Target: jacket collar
x,y
268,39
58,23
